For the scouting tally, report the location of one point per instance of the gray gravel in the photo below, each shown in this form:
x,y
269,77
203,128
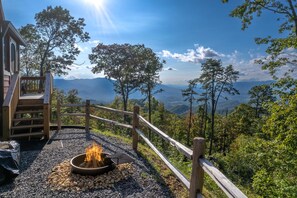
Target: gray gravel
x,y
38,159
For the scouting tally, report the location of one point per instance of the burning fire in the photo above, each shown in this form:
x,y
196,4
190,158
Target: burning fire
x,y
93,156
93,152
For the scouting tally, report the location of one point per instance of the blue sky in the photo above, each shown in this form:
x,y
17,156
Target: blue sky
x,y
183,33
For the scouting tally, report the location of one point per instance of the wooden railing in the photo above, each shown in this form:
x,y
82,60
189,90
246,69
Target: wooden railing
x,y
32,84
200,165
10,104
48,90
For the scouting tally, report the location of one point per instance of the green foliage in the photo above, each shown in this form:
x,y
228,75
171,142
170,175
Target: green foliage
x,y
54,38
216,80
278,49
30,59
259,95
189,94
268,163
132,67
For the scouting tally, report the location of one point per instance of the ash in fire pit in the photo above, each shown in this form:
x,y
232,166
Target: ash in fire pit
x,y
93,162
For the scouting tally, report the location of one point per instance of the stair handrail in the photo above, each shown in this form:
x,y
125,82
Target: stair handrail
x,y
48,90
10,104
31,84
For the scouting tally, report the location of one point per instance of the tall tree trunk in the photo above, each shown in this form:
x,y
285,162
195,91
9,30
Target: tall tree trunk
x,y
189,123
205,118
212,119
150,109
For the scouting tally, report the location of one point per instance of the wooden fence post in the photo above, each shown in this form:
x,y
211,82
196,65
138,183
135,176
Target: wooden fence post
x,y
87,128
46,120
197,176
135,125
59,115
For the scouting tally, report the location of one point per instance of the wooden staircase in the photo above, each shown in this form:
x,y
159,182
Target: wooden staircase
x,y
28,118
27,113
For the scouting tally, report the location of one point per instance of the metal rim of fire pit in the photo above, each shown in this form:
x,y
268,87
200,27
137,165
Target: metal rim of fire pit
x,y
77,160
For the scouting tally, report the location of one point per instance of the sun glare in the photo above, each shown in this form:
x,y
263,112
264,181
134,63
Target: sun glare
x,y
101,15
98,4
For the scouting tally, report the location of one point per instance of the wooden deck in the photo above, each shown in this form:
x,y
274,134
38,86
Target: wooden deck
x,y
32,96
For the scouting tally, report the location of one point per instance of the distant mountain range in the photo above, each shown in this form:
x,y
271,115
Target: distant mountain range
x,y
101,91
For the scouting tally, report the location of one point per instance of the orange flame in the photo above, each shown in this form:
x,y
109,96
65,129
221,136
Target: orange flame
x,y
93,151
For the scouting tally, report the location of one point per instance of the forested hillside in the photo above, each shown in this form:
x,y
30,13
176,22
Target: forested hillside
x,y
101,90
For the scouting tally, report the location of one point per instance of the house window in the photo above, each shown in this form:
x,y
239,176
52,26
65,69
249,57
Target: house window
x,y
13,62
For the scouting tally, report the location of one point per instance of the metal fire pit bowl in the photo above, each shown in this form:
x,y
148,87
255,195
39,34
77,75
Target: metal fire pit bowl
x,y
77,160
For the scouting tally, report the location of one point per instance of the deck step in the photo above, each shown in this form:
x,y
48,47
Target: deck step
x,y
27,126
29,111
26,134
30,102
26,119
30,105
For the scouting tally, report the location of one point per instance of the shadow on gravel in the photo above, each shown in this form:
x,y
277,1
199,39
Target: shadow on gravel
x,y
125,188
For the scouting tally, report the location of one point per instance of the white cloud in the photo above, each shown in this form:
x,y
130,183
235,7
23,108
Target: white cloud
x,y
244,63
197,55
94,42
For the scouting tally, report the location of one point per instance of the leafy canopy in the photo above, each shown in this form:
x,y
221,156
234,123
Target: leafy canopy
x,y
281,51
131,66
56,35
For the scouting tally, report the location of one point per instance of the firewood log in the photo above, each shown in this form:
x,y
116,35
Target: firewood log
x,y
94,161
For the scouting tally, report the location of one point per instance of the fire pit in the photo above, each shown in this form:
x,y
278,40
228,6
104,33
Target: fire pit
x,y
93,162
92,168
107,165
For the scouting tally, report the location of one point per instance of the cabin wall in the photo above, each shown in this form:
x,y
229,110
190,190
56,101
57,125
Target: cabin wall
x,y
6,83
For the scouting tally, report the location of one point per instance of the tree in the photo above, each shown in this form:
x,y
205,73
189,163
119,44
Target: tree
x,y
189,94
203,113
29,57
216,80
124,63
259,95
281,51
150,77
56,34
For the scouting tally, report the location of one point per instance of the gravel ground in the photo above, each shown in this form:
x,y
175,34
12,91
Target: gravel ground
x,y
38,158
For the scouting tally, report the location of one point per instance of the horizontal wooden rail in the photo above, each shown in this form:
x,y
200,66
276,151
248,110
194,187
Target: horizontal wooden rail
x,y
181,148
73,114
72,105
220,179
112,122
179,175
113,110
32,78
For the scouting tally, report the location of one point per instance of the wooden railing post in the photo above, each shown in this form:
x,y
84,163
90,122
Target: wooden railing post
x,y
135,125
59,115
87,127
46,120
197,176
